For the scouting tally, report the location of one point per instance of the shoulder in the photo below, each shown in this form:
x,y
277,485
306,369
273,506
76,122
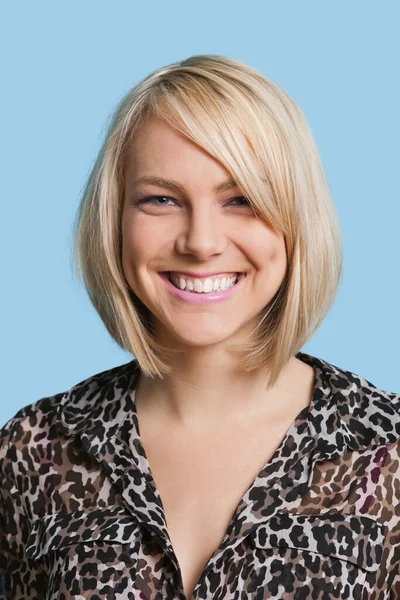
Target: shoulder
x,y
356,427
345,384
347,403
34,427
24,426
361,400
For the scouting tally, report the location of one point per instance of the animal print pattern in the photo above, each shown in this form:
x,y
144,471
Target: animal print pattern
x,y
80,516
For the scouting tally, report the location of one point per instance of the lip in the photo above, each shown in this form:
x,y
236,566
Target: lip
x,y
194,298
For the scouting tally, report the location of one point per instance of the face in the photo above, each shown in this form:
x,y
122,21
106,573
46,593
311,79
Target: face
x,y
199,229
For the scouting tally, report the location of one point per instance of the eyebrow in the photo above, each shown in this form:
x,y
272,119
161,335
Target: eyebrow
x,y
177,187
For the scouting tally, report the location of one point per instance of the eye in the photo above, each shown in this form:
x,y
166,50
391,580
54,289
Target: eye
x,y
164,199
152,199
245,201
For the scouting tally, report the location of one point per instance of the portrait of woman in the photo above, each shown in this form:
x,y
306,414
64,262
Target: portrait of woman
x,y
221,462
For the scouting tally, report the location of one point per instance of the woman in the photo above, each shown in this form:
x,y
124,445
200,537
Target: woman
x,y
221,462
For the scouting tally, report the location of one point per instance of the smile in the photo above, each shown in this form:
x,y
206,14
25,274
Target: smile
x,y
205,290
203,285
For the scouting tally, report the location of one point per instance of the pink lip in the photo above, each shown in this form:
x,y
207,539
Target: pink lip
x,y
194,298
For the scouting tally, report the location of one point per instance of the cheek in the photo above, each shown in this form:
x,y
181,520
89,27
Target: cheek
x,y
278,252
135,241
133,248
267,248
133,252
143,248
133,258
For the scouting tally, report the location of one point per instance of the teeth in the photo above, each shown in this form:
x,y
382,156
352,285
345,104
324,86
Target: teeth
x,y
205,286
198,285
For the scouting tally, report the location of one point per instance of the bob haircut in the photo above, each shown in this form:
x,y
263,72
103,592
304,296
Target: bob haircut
x,y
241,118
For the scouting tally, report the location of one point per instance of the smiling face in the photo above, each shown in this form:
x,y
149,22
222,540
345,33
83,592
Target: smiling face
x,y
194,228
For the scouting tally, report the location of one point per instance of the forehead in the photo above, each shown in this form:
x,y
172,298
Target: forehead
x,y
160,150
155,136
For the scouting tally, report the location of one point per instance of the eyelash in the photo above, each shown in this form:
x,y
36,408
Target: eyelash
x,y
149,199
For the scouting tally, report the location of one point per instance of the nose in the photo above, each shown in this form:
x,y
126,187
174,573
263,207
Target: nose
x,y
203,234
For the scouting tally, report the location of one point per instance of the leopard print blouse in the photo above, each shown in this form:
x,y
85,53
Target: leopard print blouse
x,y
80,516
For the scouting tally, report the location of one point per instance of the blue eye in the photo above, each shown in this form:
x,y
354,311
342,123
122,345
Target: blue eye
x,y
246,202
150,200
154,199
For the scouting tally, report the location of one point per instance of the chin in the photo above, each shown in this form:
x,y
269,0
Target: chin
x,y
201,337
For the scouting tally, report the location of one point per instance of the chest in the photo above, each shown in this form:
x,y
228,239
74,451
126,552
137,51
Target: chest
x,y
201,482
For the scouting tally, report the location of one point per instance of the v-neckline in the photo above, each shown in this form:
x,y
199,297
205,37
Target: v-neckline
x,y
295,447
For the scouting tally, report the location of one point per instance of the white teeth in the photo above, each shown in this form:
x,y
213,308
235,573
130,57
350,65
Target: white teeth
x,y
205,286
198,286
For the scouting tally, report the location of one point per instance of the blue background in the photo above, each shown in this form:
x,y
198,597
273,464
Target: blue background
x,y
65,67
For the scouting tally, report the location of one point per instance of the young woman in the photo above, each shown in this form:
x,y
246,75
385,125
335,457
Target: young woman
x,y
221,462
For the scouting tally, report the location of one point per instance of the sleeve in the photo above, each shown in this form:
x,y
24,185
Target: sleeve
x,y
395,585
20,577
391,496
395,591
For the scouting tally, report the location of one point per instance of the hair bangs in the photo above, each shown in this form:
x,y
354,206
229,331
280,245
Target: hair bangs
x,y
212,121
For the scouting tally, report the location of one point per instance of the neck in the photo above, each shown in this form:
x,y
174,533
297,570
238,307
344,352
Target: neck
x,y
207,388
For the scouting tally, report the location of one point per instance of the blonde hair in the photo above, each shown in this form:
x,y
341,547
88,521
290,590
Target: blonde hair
x,y
238,116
